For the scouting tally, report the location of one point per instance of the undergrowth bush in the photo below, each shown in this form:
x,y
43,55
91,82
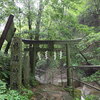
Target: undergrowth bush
x,y
89,97
93,77
4,59
7,94
4,67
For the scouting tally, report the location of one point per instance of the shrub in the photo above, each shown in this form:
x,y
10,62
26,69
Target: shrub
x,y
6,94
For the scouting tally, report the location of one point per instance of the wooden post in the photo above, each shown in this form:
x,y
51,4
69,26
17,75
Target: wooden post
x,y
51,46
16,64
33,57
61,72
9,43
6,29
26,69
69,83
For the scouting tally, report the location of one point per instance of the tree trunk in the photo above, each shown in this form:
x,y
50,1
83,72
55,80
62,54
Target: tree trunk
x,y
29,20
38,21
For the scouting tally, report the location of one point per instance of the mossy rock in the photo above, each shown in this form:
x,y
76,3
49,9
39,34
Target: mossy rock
x,y
77,93
74,92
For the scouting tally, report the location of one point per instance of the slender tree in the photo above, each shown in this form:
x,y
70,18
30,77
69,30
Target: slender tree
x,y
38,21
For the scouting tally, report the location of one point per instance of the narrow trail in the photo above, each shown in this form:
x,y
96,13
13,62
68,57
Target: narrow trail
x,y
50,92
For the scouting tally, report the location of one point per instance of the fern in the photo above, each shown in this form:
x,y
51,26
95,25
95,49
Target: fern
x,y
2,87
6,94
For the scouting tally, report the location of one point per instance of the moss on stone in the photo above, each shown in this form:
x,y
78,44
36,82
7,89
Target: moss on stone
x,y
77,93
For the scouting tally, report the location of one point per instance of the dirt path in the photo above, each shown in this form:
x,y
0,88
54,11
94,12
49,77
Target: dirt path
x,y
50,92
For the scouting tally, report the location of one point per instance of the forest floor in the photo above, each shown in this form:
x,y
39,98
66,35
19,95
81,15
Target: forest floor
x,y
50,92
53,89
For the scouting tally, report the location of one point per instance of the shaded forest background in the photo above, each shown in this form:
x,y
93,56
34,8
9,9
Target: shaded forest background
x,y
53,20
57,20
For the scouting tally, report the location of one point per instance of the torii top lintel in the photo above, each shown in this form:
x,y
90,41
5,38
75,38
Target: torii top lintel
x,y
26,41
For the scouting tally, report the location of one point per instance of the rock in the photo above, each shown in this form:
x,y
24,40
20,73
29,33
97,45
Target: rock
x,y
56,76
88,91
98,82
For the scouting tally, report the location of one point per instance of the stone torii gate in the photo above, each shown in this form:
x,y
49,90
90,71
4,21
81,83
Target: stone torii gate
x,y
16,58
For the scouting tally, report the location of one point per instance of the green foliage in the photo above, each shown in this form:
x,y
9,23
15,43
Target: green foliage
x,y
70,90
41,62
90,16
34,82
90,47
54,63
4,59
60,20
7,7
2,87
13,95
4,66
26,92
47,63
76,99
6,94
93,37
89,97
93,77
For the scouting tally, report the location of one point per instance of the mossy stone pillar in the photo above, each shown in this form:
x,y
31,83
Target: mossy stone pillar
x,y
16,64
